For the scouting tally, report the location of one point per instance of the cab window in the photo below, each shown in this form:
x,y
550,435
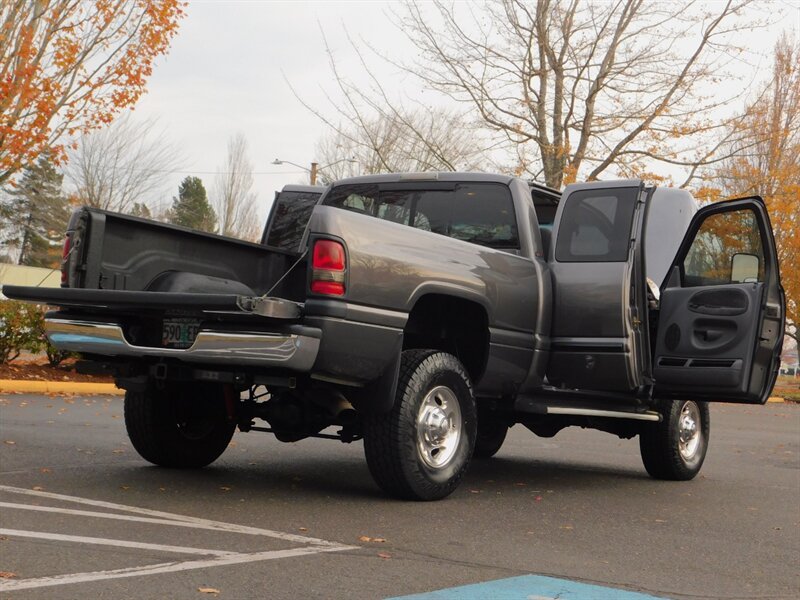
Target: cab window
x,y
478,213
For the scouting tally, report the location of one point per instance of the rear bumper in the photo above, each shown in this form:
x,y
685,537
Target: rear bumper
x,y
294,348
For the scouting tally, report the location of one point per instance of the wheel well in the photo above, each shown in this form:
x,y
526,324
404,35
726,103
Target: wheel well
x,y
454,325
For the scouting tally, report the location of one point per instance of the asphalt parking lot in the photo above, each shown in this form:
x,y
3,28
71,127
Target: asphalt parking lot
x,y
82,516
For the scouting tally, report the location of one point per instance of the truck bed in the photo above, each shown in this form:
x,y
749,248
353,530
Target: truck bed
x,y
110,251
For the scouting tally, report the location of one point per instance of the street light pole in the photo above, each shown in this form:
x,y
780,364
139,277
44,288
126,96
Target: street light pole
x,y
315,168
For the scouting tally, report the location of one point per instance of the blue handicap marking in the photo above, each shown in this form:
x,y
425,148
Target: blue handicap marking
x,y
529,587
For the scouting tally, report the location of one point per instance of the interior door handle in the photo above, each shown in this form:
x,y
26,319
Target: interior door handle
x,y
708,335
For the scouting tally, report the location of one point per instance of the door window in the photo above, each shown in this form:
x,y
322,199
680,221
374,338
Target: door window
x,y
726,249
596,226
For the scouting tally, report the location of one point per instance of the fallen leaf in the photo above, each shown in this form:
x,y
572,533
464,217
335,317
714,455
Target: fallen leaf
x,y
376,540
124,487
225,488
660,520
302,528
118,451
474,491
538,498
37,488
44,470
10,442
384,555
7,575
567,527
208,590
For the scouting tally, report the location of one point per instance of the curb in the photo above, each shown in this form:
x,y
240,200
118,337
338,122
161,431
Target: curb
x,y
59,387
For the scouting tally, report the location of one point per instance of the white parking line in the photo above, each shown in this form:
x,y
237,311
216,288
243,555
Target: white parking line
x,y
219,525
219,557
60,537
25,584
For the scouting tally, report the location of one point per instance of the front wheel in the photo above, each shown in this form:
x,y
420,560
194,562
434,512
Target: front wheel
x,y
181,426
675,448
421,448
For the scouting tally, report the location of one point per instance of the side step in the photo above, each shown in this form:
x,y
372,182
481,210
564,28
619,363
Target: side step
x,y
538,406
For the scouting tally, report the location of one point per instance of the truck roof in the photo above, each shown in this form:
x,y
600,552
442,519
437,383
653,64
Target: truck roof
x,y
304,188
428,176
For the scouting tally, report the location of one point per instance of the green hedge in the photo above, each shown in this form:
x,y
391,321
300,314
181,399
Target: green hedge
x,y
22,328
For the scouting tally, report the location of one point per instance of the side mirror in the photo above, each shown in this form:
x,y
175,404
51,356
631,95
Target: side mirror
x,y
744,268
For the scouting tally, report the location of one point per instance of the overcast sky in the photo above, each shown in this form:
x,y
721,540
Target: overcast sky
x,y
227,71
228,65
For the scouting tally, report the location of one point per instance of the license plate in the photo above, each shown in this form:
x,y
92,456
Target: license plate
x,y
179,333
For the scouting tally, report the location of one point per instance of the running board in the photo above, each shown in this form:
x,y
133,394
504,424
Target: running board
x,y
534,406
611,414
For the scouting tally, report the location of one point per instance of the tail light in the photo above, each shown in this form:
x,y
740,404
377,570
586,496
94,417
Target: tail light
x,y
65,261
328,263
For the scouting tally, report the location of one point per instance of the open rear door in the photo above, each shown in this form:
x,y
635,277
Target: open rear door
x,y
722,311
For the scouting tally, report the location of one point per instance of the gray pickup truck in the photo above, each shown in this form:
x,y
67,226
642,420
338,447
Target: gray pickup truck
x,y
428,313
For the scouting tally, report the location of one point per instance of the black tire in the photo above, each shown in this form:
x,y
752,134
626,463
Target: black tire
x,y
664,454
182,426
400,460
492,433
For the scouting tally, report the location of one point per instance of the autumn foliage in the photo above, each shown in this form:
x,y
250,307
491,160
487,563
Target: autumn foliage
x,y
69,66
767,163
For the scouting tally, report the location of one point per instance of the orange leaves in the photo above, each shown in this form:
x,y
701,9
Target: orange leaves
x,y
68,67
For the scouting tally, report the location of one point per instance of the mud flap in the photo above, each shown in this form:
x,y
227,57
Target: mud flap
x,y
378,396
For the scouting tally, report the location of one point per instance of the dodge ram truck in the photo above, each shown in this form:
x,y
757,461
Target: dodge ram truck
x,y
427,314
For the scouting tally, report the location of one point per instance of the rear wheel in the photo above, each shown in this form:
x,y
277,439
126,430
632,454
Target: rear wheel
x,y
182,426
676,447
421,448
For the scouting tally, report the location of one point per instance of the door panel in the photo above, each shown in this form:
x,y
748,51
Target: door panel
x,y
709,333
721,315
594,259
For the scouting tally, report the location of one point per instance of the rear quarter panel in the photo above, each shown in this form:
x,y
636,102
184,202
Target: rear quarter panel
x,y
391,266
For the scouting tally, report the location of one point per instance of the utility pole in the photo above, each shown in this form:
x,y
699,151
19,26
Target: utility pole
x,y
313,173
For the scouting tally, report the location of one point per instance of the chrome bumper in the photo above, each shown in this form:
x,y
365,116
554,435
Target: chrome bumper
x,y
290,350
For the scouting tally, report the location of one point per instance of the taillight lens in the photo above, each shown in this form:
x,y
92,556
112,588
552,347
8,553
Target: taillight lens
x,y
328,264
65,261
328,255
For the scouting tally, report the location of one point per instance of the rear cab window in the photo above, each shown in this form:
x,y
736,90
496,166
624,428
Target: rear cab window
x,y
479,213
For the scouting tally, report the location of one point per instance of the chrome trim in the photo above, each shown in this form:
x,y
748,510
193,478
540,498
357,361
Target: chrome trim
x,y
613,414
290,351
